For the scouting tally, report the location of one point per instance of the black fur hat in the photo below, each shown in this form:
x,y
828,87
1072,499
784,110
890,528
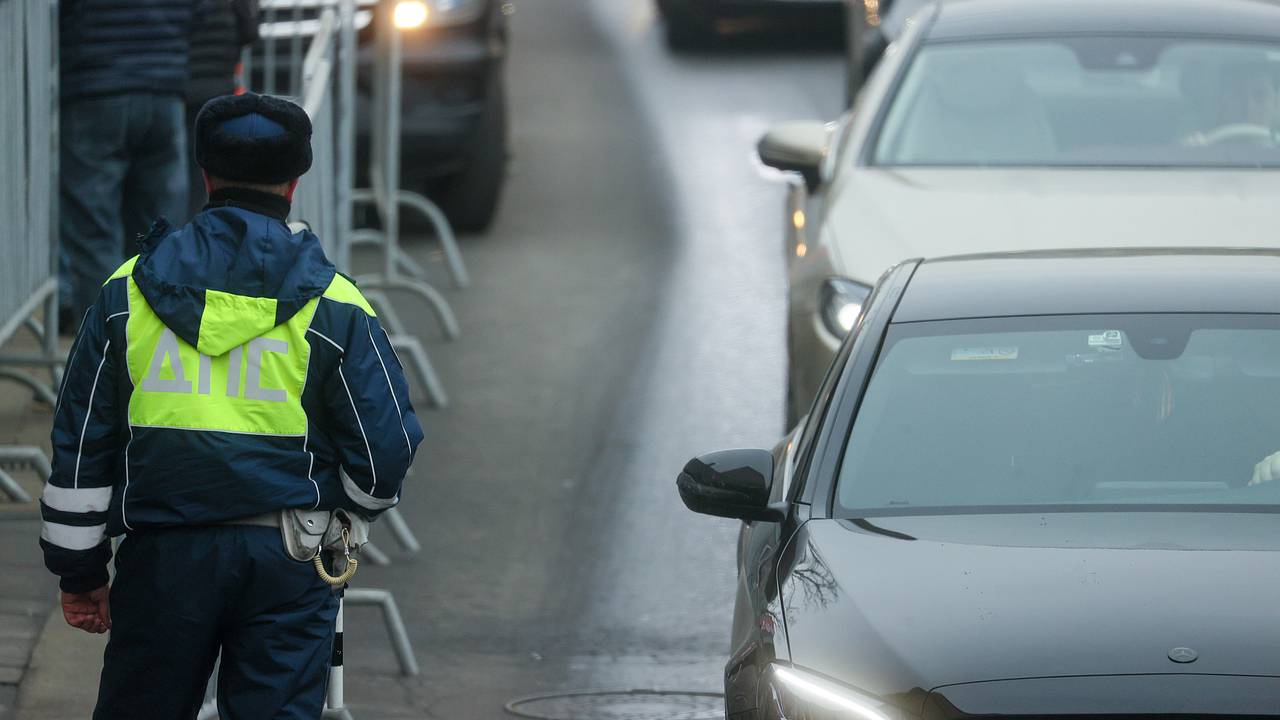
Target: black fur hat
x,y
253,138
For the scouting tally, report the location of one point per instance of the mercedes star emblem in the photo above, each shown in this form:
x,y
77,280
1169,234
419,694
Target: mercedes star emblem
x,y
1183,655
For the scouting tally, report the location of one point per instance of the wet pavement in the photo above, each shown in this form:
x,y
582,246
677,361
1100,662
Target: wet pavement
x,y
626,314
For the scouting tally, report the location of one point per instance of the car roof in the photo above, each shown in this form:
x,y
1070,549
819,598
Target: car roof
x,y
968,19
1093,282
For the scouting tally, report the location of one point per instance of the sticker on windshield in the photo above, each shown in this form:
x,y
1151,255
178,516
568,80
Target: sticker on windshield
x,y
984,353
1108,339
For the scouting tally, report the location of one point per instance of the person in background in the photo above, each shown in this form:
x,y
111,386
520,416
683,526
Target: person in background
x,y
1247,108
225,28
123,78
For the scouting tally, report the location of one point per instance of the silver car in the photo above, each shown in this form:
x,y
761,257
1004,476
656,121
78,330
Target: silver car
x,y
1007,125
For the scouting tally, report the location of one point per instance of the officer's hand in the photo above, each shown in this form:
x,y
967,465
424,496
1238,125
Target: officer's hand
x,y
88,611
1267,471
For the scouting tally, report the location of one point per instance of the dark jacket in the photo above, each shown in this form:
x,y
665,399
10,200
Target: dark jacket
x,y
225,27
225,372
111,47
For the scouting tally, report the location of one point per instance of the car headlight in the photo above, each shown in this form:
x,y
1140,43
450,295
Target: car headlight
x,y
437,13
799,695
841,305
410,14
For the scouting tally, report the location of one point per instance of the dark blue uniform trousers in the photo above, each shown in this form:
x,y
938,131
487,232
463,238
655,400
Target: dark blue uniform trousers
x,y
182,594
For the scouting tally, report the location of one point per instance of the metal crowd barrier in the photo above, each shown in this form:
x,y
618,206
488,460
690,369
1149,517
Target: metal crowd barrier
x,y
326,87
399,272
29,207
316,200
332,105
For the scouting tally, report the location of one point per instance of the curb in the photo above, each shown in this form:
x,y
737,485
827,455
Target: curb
x,y
61,683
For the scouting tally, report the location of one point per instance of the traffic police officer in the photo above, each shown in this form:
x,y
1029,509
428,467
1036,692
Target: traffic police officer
x,y
225,373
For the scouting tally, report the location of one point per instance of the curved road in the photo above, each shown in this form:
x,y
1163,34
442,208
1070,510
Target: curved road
x,y
626,314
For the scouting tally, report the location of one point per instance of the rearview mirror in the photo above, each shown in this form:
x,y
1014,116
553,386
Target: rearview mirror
x,y
798,146
732,483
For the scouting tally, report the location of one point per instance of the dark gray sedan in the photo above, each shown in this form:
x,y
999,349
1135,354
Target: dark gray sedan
x,y
1031,485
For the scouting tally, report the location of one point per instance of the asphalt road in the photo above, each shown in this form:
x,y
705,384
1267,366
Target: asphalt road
x,y
626,314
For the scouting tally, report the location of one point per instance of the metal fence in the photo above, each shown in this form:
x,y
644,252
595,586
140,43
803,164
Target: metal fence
x,y
322,79
317,198
28,203
28,177
308,51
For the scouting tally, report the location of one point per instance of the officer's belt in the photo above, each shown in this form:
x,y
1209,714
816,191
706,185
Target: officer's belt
x,y
271,519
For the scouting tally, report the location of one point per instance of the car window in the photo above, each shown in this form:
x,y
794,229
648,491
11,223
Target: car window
x,y
1033,414
818,408
1087,101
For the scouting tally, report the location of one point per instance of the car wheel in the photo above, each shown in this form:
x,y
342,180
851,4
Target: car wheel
x,y
470,199
685,29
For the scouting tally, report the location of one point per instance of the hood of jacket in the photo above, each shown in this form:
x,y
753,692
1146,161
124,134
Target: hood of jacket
x,y
229,275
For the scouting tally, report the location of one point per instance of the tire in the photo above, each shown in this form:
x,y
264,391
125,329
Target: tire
x,y
470,199
685,30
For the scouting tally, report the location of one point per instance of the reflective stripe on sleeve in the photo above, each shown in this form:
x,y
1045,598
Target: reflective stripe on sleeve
x,y
72,537
77,500
364,499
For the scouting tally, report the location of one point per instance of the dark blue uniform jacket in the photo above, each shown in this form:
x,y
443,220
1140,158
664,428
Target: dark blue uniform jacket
x,y
225,372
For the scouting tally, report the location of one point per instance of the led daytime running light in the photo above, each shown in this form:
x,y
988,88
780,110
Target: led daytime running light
x,y
799,683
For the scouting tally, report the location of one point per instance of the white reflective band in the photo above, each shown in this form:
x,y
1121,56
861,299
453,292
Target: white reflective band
x,y
364,499
77,500
72,537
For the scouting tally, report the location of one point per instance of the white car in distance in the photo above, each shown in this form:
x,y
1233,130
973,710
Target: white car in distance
x,y
1023,125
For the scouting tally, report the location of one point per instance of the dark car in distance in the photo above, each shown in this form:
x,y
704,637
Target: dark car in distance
x,y
691,24
453,120
454,117
1031,485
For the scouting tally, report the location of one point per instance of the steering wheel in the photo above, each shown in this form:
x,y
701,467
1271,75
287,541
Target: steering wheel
x,y
1240,133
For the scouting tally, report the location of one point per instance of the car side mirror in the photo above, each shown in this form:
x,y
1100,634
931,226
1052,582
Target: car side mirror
x,y
799,146
731,483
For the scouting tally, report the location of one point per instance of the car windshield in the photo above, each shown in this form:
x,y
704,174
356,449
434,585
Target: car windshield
x,y
1087,101
1068,413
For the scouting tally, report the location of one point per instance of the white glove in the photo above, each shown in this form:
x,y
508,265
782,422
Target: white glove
x,y
1267,471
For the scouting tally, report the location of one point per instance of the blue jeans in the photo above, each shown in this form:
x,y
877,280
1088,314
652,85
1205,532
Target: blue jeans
x,y
123,165
183,594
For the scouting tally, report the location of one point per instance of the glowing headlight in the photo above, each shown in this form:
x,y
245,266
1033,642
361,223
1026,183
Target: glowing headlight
x,y
799,695
841,305
411,14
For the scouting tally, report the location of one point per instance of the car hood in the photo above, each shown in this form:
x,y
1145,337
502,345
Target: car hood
x,y
898,605
879,217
